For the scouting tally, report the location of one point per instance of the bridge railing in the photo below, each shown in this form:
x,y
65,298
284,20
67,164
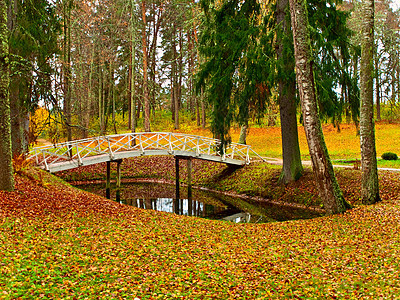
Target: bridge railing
x,y
78,150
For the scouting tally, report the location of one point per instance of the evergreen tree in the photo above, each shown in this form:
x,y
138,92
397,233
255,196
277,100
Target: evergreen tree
x,y
330,41
34,28
234,72
292,167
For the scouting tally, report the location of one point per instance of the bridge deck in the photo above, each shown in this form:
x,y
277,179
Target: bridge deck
x,y
73,154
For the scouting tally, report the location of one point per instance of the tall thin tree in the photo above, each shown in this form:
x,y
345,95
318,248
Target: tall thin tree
x,y
370,185
146,99
325,179
292,167
6,174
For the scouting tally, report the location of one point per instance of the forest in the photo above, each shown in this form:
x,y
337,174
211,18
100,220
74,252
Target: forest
x,y
92,68
313,86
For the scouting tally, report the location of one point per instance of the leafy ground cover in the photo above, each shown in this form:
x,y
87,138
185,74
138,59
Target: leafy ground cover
x,y
59,242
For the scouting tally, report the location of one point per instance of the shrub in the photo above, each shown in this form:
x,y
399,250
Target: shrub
x,y
389,156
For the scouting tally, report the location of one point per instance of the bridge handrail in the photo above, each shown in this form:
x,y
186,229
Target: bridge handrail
x,y
78,150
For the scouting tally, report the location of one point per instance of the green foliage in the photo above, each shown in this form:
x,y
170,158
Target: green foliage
x,y
33,43
240,69
389,156
330,37
234,72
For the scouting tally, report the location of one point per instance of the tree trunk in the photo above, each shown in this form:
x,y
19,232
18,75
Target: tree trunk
x,y
145,60
180,67
132,70
132,99
328,188
67,67
243,133
100,101
198,111
377,87
174,80
292,167
6,174
17,83
190,77
370,185
203,111
17,112
91,98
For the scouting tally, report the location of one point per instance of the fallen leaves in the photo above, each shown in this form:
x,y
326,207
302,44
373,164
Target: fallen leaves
x,y
59,242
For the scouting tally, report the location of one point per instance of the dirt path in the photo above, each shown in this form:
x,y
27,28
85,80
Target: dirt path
x,y
279,161
43,142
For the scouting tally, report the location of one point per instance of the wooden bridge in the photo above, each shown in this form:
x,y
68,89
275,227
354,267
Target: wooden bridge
x,y
73,154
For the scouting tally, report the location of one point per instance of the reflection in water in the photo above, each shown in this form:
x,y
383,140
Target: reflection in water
x,y
179,206
206,204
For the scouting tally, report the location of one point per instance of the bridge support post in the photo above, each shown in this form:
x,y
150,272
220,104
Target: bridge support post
x,y
177,177
108,185
189,178
118,193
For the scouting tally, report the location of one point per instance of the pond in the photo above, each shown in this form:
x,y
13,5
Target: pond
x,y
202,203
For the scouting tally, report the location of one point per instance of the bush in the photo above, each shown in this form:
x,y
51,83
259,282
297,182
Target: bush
x,y
389,156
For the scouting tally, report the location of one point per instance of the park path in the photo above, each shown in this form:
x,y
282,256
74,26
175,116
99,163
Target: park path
x,y
279,161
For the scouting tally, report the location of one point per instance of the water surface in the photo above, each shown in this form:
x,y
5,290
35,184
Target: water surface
x,y
203,204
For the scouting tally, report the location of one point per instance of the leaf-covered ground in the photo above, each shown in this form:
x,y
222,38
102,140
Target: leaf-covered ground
x,y
59,242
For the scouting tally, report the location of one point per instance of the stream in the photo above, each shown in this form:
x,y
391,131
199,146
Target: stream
x,y
203,203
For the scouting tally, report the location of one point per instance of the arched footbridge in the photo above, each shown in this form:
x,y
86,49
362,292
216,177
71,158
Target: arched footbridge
x,y
73,154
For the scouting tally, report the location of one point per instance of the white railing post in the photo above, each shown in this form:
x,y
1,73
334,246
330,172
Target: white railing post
x,y
36,157
248,155
98,143
111,154
184,144
78,154
197,147
140,142
45,161
170,142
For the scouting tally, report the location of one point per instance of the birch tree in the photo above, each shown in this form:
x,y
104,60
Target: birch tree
x,y
370,185
325,179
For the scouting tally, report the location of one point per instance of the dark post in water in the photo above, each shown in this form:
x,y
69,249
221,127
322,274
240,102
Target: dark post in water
x,y
108,180
177,176
118,196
